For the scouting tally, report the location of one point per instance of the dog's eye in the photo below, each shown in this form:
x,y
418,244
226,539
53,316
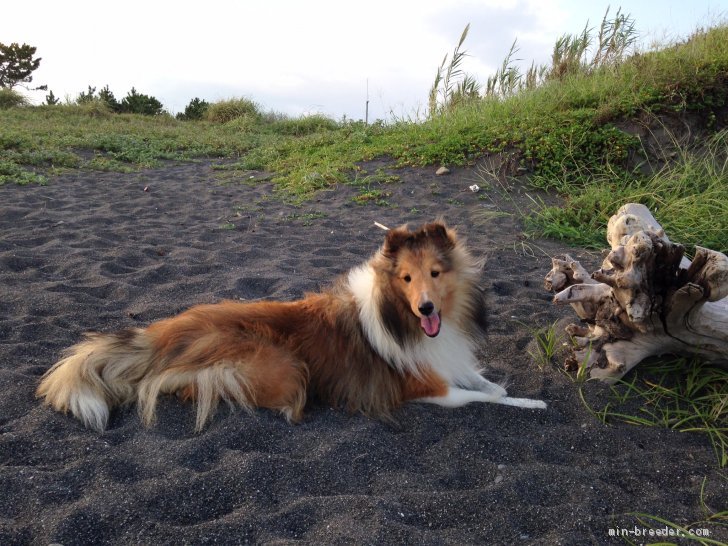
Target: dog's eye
x,y
435,274
407,278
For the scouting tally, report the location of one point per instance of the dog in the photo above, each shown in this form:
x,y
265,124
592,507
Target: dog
x,y
401,327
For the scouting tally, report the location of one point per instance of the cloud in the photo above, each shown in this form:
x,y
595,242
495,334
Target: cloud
x,y
288,55
494,27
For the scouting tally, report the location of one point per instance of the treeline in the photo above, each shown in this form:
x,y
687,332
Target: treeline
x,y
242,113
133,103
18,62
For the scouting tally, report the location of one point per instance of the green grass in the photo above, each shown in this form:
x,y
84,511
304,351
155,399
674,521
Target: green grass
x,y
11,172
679,394
689,196
678,534
11,99
372,187
561,123
563,127
548,341
230,110
713,519
49,135
564,131
297,127
306,218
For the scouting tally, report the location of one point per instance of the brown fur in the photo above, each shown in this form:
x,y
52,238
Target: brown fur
x,y
275,355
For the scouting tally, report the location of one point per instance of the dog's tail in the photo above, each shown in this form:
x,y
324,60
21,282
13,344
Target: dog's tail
x,y
137,365
97,374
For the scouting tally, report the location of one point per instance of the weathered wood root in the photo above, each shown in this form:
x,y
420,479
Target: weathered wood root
x,y
646,299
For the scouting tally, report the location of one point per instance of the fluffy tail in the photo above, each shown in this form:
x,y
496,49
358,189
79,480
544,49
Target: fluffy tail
x,y
97,374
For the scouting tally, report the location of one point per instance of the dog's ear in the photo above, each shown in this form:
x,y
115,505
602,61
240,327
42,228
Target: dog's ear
x,y
396,238
438,233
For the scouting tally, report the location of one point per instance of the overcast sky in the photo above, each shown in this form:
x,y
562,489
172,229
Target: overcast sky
x,y
305,56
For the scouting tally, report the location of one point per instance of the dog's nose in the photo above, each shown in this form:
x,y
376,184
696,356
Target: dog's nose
x,y
426,308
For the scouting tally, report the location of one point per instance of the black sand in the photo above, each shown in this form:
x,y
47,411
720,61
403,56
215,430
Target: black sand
x,y
96,251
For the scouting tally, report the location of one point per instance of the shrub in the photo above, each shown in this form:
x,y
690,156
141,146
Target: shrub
x,y
107,97
11,99
195,110
51,99
227,110
88,96
93,108
304,125
244,124
139,103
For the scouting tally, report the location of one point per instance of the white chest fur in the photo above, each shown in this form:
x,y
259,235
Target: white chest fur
x,y
450,354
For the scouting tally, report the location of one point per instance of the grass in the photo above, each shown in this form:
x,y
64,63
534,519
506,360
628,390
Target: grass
x,y
688,195
548,341
226,111
697,531
688,396
560,123
372,187
679,394
550,346
11,99
75,137
89,136
306,218
565,132
665,530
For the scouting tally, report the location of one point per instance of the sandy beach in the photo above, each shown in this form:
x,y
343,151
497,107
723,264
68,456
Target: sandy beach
x,y
104,251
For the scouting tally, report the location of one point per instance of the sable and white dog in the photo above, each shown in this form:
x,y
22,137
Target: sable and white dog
x,y
399,328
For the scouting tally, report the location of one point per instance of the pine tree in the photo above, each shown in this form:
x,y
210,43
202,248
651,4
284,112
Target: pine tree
x,y
51,99
108,97
139,103
17,64
86,96
194,110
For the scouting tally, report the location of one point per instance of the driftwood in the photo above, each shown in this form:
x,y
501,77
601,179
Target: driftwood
x,y
647,299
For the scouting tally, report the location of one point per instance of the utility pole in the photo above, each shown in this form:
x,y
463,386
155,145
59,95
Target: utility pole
x,y
366,112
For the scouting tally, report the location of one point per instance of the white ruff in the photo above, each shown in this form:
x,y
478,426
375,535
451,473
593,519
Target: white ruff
x,y
450,354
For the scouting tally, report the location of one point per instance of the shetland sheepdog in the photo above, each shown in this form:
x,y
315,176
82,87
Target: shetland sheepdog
x,y
401,327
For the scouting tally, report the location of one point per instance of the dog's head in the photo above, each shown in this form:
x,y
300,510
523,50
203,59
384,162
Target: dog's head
x,y
422,271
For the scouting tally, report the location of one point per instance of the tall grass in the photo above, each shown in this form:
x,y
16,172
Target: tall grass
x,y
686,396
11,99
228,110
609,47
452,87
688,195
563,128
560,124
300,126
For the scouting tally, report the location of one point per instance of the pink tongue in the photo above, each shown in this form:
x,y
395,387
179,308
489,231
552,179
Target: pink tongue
x,y
431,324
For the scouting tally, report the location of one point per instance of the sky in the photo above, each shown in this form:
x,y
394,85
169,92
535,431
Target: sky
x,y
307,56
